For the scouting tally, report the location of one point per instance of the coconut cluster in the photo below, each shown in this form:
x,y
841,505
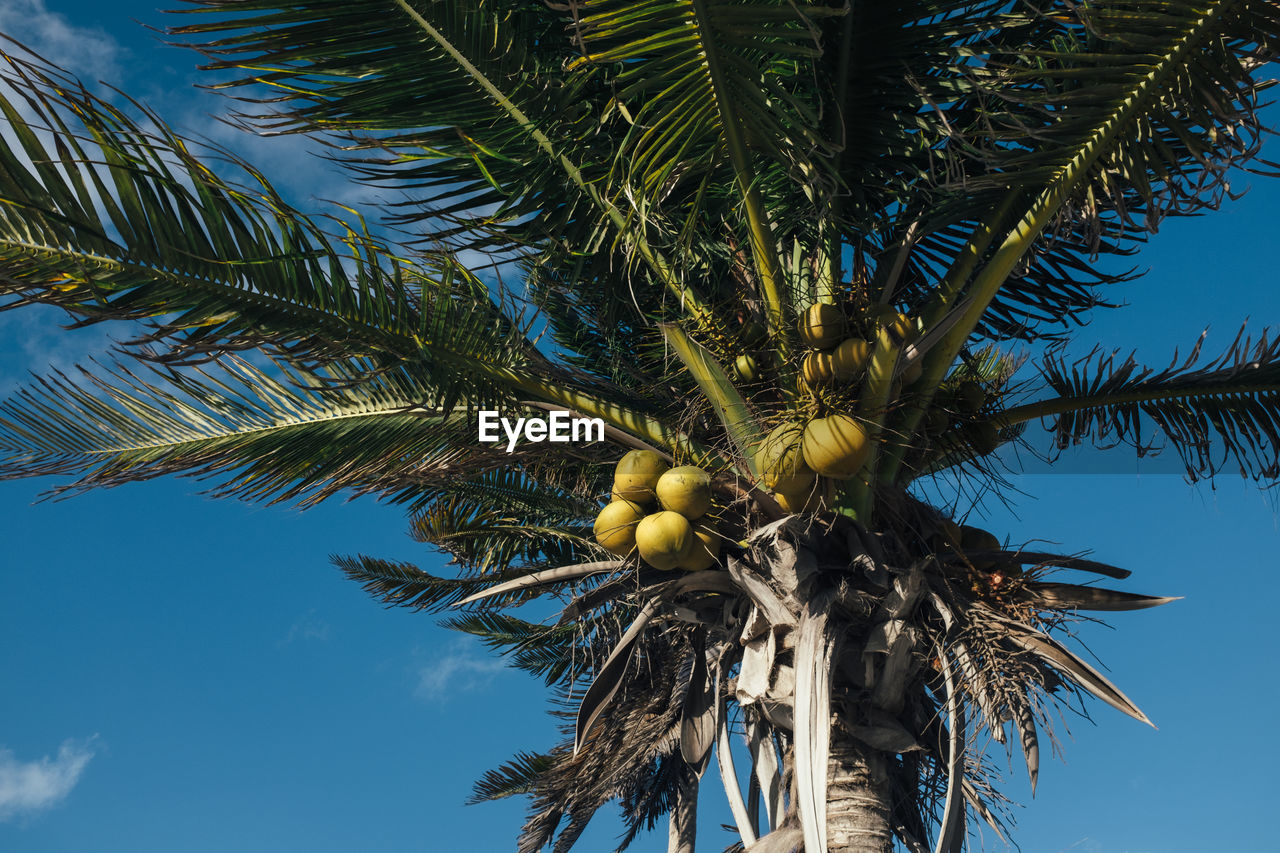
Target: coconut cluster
x,y
675,536
953,421
794,455
836,356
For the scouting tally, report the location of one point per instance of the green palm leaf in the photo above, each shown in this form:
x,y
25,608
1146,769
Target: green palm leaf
x,y
280,437
113,220
1225,409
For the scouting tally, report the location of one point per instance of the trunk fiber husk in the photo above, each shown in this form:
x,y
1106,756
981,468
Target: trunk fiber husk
x,y
858,806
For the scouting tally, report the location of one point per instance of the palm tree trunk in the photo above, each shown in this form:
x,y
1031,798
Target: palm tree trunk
x,y
682,830
858,806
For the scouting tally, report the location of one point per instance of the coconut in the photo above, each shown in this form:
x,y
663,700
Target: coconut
x,y
686,490
901,326
704,551
637,474
664,539
969,397
745,368
752,334
780,461
822,325
836,446
983,437
936,421
977,539
947,537
849,359
817,368
615,526
810,500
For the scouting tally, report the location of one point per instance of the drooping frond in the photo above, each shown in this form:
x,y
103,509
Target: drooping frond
x,y
399,584
517,776
280,436
114,219
1224,410
512,517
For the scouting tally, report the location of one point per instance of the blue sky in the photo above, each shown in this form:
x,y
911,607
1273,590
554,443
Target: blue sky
x,y
183,674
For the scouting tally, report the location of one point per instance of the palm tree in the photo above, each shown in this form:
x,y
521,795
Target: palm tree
x,y
784,246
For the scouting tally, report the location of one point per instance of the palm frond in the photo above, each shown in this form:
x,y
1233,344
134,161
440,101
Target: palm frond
x,y
399,584
477,125
270,436
1226,409
112,219
699,77
517,776
509,517
1084,126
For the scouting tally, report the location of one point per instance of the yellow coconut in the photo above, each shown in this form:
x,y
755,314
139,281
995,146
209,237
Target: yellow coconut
x,y
686,490
637,474
849,359
901,326
664,539
615,526
822,325
745,368
780,461
836,446
813,499
705,549
817,368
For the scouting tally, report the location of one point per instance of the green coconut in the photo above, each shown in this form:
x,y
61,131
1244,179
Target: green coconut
x,y
817,368
983,437
686,490
969,397
615,526
745,368
664,539
849,359
704,551
637,475
753,334
835,447
780,461
936,421
821,325
902,327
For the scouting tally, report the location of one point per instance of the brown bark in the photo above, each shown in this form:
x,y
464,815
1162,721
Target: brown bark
x,y
858,807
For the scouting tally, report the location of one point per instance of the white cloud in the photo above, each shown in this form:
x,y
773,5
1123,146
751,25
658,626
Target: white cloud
x,y
306,627
91,53
459,668
27,787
